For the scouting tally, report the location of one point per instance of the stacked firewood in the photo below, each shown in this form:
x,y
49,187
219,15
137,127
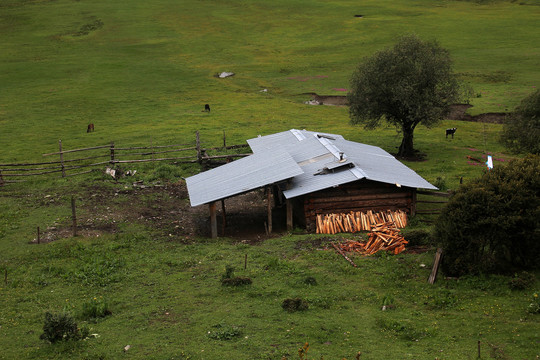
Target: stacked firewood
x,y
383,237
359,221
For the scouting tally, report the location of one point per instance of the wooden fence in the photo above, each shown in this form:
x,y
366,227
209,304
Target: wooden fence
x,y
111,155
430,203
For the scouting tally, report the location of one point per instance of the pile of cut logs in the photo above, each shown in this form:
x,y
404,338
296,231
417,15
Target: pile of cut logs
x,y
359,221
383,237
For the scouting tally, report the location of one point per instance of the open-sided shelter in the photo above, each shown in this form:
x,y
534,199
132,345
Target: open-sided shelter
x,y
313,173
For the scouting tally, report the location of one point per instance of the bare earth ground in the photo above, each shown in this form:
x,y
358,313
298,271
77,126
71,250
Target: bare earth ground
x,y
458,111
166,210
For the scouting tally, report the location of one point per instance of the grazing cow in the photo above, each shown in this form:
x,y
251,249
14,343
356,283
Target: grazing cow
x,y
90,128
207,108
451,131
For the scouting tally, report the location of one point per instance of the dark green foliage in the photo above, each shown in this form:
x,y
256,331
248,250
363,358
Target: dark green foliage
x,y
409,84
310,280
296,304
521,130
417,237
224,332
228,279
61,327
94,309
522,281
491,224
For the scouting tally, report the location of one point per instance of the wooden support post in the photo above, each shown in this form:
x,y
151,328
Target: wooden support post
x,y
61,158
435,269
245,262
413,202
38,236
479,355
224,140
223,217
198,147
73,216
112,153
213,220
289,206
269,207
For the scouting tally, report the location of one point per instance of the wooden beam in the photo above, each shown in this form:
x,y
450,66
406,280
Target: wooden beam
x,y
223,217
269,207
289,206
435,269
213,220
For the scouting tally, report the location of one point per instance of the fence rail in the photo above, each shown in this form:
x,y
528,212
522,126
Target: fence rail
x,y
119,155
431,203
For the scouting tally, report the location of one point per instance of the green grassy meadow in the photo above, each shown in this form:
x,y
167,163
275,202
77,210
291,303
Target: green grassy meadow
x,y
141,71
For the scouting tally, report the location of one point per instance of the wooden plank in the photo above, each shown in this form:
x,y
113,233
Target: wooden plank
x,y
435,269
213,220
289,206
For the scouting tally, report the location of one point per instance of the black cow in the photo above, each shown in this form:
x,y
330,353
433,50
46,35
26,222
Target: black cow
x,y
207,108
451,131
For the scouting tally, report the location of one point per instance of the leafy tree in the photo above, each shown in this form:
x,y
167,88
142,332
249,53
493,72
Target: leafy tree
x,y
491,225
521,130
409,84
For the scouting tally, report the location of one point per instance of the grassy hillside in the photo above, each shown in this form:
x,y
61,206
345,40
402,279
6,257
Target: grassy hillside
x,y
145,69
141,71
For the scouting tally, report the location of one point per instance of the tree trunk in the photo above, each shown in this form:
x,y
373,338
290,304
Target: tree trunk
x,y
406,148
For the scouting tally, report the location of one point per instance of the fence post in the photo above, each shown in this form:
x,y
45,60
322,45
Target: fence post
x,y
61,158
112,153
224,140
1,179
198,146
74,216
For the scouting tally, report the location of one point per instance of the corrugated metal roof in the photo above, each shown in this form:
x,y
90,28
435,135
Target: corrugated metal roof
x,y
240,176
309,158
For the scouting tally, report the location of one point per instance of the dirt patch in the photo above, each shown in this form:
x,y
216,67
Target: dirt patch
x,y
102,209
457,112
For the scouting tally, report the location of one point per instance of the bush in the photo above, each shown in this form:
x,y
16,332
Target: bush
x,y
61,327
94,309
292,305
491,224
522,129
417,237
522,281
534,306
228,279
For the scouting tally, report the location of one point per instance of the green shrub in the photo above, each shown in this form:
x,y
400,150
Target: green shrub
x,y
491,224
296,304
417,237
522,129
522,281
61,327
228,279
534,306
224,332
94,309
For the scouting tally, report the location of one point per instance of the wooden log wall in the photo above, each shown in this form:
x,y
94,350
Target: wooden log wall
x,y
361,196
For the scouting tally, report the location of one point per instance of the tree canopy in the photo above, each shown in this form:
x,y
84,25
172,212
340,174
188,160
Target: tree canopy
x,y
521,130
408,84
